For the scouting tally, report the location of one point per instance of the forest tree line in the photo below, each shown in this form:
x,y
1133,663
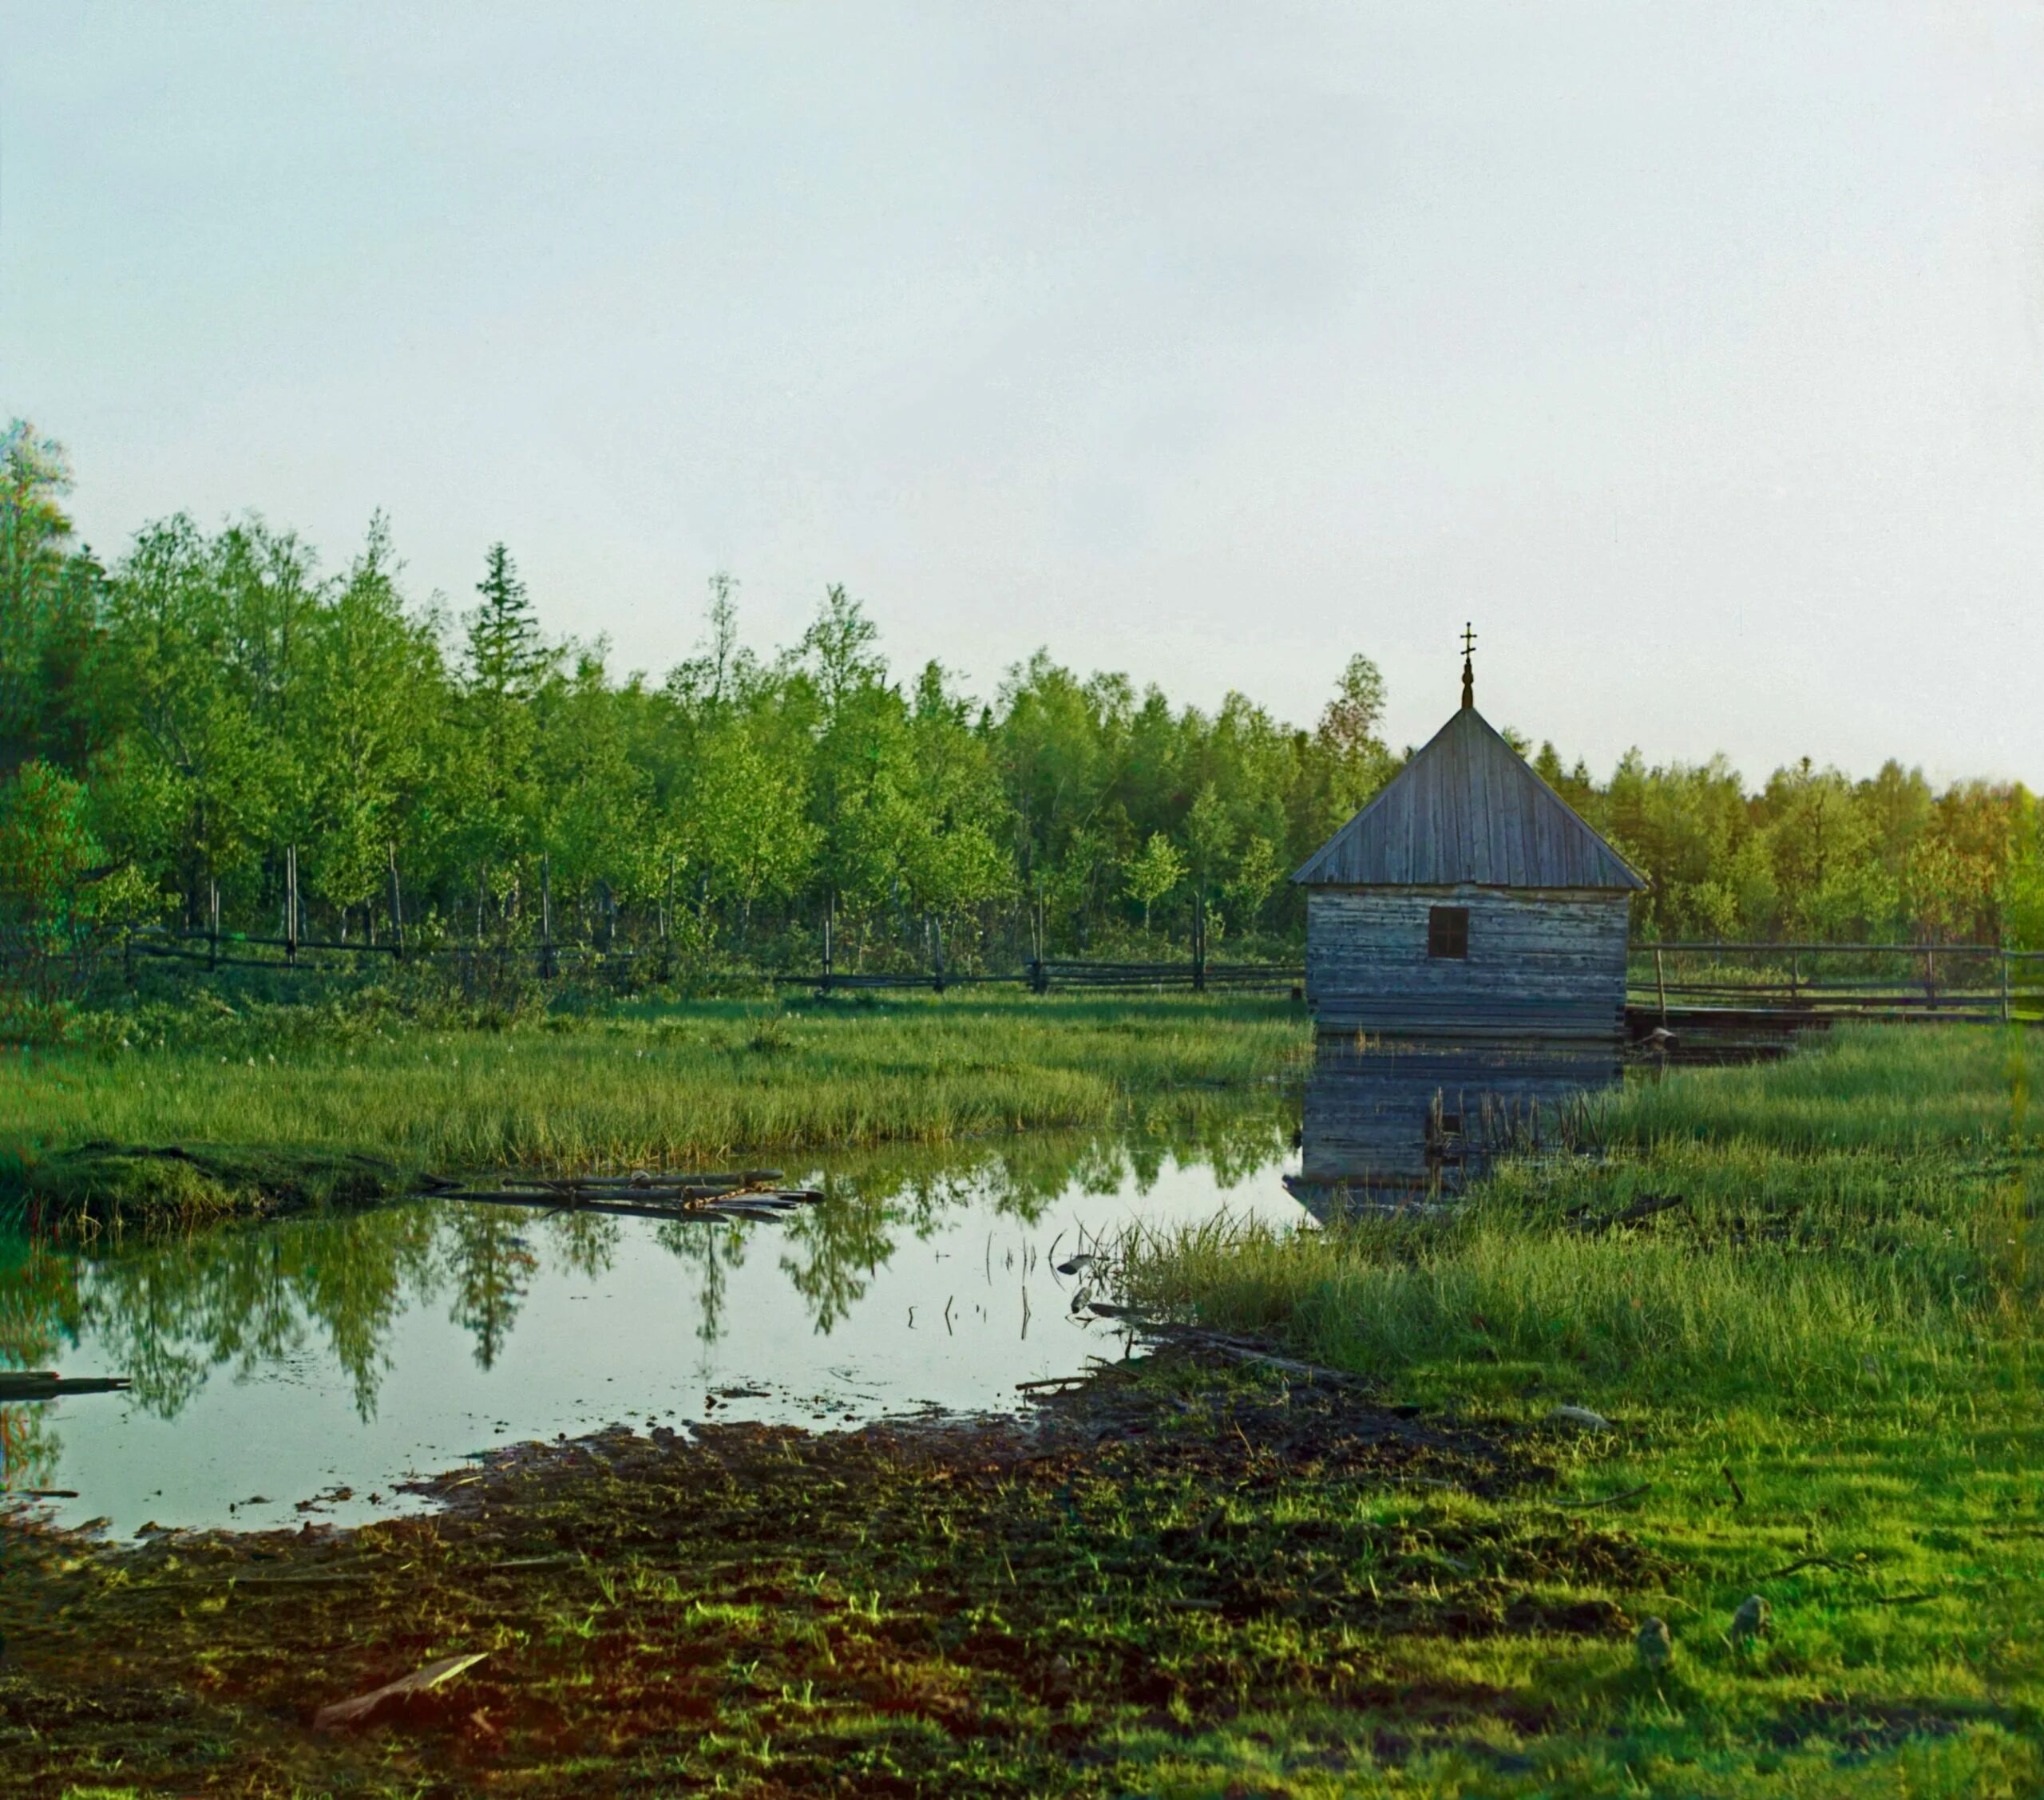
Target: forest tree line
x,y
178,722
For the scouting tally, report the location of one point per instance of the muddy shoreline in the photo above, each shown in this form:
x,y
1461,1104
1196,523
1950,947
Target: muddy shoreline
x,y
977,1604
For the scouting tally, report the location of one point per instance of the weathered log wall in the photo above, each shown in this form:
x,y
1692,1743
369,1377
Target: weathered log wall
x,y
1542,963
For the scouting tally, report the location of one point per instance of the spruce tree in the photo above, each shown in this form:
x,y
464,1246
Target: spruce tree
x,y
505,654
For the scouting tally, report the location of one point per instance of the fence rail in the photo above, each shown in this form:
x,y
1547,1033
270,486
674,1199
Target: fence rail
x,y
1048,972
1949,982
1696,980
317,956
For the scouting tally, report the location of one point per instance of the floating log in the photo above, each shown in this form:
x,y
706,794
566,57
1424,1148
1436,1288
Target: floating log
x,y
729,1204
48,1385
642,1179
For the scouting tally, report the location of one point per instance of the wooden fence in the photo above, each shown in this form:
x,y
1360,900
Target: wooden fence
x,y
1958,983
1694,982
1199,976
206,950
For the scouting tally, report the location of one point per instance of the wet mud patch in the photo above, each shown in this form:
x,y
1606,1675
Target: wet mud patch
x,y
949,1606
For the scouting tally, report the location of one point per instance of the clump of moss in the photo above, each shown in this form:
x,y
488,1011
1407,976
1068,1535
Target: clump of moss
x,y
103,1185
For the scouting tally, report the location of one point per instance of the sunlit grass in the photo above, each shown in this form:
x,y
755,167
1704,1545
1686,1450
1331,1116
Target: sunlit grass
x,y
1819,1372
697,1084
1852,1220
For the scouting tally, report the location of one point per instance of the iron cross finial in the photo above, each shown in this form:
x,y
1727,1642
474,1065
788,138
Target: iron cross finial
x,y
1468,671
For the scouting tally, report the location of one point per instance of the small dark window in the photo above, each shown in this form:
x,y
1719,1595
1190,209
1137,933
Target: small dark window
x,y
1448,931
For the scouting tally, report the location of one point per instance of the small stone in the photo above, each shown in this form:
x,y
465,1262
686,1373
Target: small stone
x,y
1582,1418
1751,1620
1653,1644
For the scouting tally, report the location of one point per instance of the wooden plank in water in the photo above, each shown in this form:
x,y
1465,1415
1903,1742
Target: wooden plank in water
x,y
758,1205
648,1178
46,1384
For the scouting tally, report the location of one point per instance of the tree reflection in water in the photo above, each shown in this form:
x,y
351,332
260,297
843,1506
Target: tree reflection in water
x,y
38,1315
232,1300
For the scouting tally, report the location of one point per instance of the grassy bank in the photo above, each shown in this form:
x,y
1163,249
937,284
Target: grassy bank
x,y
1806,1296
285,1104
1803,1297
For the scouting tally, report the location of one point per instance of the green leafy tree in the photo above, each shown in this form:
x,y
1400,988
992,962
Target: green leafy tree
x,y
374,687
62,904
1257,872
54,705
1152,873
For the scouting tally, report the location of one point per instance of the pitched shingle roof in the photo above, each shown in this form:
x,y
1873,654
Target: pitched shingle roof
x,y
1468,809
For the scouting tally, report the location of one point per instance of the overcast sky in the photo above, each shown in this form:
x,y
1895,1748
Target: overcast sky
x,y
1695,352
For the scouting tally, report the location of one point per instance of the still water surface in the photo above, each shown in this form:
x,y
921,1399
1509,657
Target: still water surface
x,y
279,1365
290,1360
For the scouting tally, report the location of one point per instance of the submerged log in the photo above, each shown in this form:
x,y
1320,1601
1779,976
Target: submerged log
x,y
48,1385
641,1180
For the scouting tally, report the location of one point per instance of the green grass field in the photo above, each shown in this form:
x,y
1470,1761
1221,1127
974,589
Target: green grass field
x,y
281,1096
1821,1370
1818,1370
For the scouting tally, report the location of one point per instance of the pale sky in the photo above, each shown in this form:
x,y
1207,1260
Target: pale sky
x,y
1697,352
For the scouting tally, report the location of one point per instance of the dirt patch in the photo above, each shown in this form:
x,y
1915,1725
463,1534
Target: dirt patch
x,y
971,1607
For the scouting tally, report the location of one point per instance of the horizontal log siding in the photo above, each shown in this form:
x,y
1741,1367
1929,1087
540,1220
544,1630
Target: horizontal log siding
x,y
1541,963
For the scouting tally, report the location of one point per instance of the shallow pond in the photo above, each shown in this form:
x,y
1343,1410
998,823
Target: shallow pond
x,y
307,1367
278,1364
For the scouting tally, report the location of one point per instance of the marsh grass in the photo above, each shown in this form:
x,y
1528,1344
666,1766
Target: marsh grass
x,y
647,1085
1850,1222
1819,1368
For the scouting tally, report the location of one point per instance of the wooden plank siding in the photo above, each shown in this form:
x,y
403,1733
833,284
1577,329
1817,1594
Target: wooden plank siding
x,y
1544,963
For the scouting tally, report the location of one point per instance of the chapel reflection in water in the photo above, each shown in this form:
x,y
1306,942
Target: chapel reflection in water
x,y
1391,1122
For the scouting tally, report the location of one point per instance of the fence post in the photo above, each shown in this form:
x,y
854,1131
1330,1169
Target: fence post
x,y
829,937
2008,1011
1199,942
546,916
936,946
291,906
1660,983
213,921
